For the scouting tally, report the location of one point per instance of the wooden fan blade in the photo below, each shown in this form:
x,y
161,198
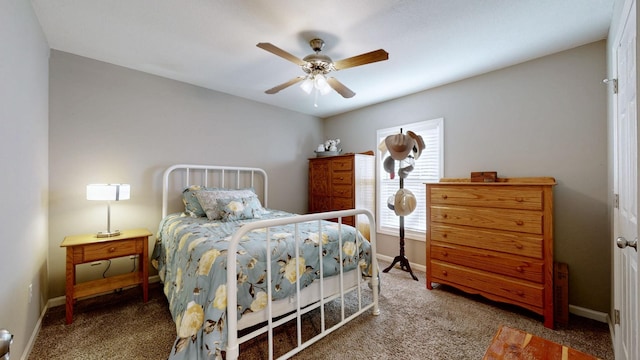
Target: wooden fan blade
x,y
362,59
340,88
275,89
283,54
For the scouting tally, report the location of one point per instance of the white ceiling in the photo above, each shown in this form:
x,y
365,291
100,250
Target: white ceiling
x,y
212,43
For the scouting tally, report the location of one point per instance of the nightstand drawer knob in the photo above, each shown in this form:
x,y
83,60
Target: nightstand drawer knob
x,y
444,273
112,249
519,222
444,196
520,269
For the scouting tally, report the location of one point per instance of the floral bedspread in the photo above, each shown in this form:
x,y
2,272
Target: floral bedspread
x,y
190,255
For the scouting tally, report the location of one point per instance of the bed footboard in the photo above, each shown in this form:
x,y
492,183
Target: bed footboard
x,y
233,342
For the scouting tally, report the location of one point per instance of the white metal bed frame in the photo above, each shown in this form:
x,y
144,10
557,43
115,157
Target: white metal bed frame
x,y
211,175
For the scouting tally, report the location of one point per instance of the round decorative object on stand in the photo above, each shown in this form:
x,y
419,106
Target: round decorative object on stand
x,y
405,149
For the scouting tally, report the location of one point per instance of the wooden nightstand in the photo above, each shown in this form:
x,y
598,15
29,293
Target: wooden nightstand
x,y
88,248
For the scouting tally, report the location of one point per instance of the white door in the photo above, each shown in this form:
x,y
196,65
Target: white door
x,y
626,178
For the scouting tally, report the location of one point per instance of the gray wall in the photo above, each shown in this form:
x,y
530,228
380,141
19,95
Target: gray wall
x,y
23,160
112,124
546,117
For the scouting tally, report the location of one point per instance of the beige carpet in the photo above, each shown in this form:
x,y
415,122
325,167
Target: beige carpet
x,y
414,323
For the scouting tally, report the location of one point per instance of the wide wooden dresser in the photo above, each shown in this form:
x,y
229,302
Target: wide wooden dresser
x,y
494,239
343,182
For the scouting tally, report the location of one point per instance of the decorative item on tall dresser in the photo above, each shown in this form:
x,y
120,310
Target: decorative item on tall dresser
x,y
108,193
404,149
494,239
329,148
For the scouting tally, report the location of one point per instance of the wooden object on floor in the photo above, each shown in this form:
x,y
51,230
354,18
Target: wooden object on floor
x,y
343,182
494,239
513,344
89,248
561,296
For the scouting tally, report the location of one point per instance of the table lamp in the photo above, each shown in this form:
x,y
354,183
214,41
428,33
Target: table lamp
x,y
108,193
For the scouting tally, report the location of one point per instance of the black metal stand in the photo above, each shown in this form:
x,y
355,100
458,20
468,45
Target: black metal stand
x,y
402,259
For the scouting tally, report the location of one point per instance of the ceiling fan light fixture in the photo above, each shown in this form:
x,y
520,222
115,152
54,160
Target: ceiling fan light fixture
x,y
320,83
316,66
307,85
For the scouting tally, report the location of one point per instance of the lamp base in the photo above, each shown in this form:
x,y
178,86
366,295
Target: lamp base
x,y
104,234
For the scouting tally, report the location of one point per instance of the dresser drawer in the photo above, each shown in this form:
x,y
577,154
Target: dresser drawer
x,y
515,290
529,245
341,177
107,250
491,261
342,164
527,198
342,203
345,191
489,218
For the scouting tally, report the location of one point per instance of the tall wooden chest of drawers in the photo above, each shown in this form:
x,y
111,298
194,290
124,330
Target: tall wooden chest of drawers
x,y
343,182
494,239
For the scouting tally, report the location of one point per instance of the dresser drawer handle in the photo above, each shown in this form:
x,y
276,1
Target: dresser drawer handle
x,y
520,269
444,273
444,216
445,254
519,293
444,196
112,249
444,235
519,246
519,222
519,199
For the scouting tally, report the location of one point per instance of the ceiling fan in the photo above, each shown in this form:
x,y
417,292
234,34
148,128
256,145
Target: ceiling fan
x,y
317,66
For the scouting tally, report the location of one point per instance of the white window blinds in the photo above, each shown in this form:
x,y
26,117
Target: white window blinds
x,y
428,168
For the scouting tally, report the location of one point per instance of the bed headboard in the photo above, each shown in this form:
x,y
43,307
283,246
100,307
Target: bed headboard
x,y
178,177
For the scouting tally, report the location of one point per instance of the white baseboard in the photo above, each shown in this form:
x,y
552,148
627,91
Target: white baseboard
x,y
53,302
34,334
589,314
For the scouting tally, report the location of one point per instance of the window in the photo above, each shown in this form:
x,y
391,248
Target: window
x,y
428,168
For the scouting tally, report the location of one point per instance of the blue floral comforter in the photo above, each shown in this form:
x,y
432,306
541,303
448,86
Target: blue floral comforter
x,y
190,255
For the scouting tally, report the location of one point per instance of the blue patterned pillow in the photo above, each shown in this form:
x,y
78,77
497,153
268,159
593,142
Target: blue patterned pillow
x,y
191,204
239,208
207,199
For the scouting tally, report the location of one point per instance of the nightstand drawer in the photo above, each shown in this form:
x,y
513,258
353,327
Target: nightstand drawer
x,y
107,250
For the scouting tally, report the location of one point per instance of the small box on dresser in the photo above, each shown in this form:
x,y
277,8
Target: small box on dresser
x,y
494,239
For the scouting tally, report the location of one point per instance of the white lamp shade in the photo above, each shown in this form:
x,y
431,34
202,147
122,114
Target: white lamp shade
x,y
307,85
108,192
